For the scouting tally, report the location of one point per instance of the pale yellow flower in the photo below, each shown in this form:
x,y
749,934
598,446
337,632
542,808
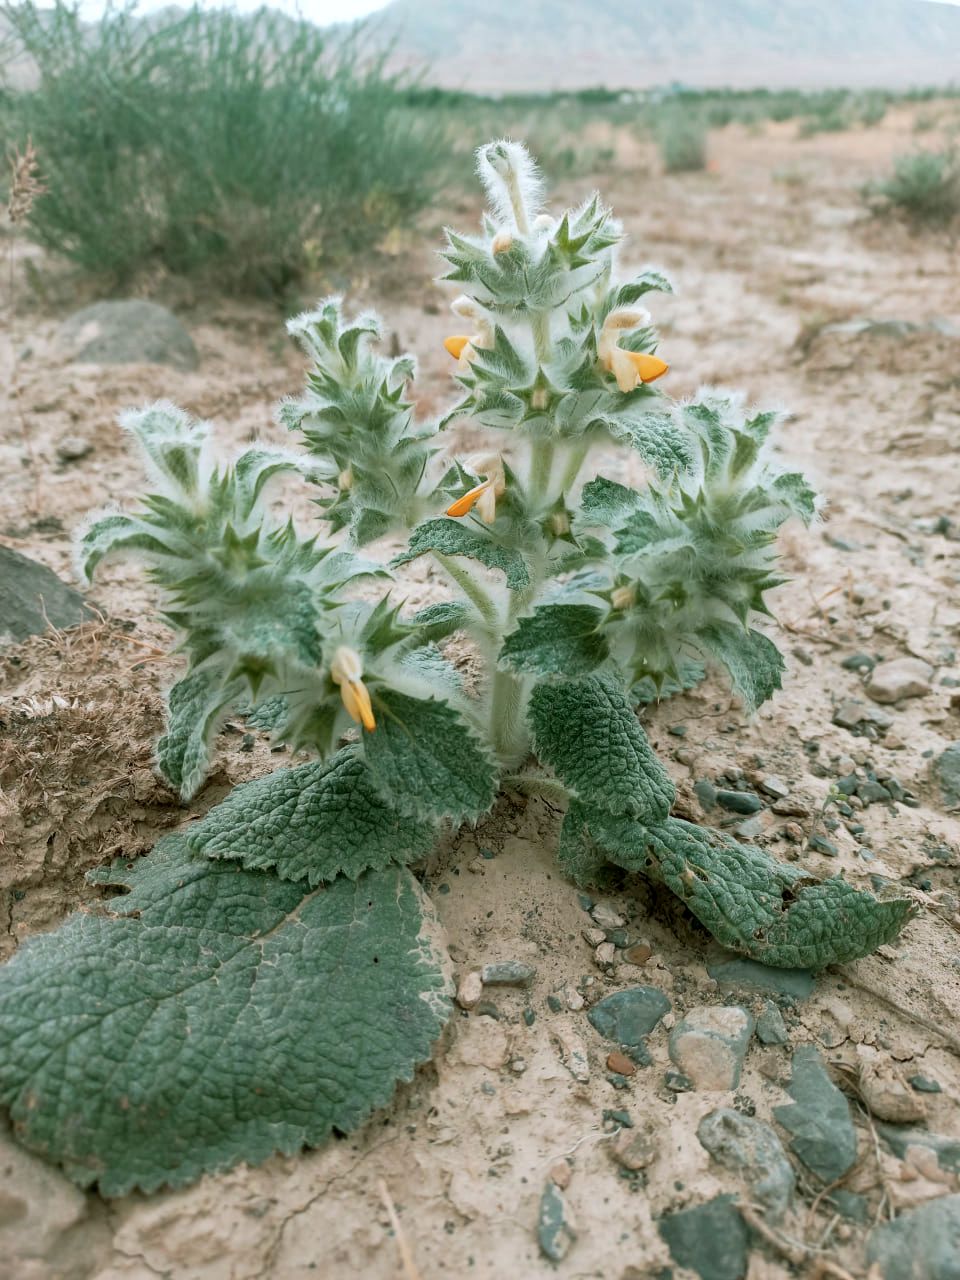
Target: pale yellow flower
x,y
346,670
628,367
484,495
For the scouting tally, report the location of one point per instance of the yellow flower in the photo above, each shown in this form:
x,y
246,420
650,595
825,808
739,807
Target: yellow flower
x,y
464,347
346,670
628,367
484,495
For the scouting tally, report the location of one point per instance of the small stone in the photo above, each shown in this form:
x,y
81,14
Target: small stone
x,y
822,845
900,1140
628,1017
857,716
633,1149
793,832
706,793
571,998
556,1232
710,1239
518,1066
751,975
710,1043
775,787
872,792
923,1084
605,955
127,331
946,771
470,989
888,1096
33,598
621,1064
573,1052
606,916
750,1147
818,1118
560,1174
902,678
859,662
922,1244
638,954
593,936
771,1028
677,1082
73,448
739,801
507,973
750,828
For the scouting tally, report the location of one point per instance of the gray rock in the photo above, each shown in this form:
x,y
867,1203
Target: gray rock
x,y
923,1244
706,793
750,975
507,973
774,787
902,678
739,801
38,1207
855,716
859,662
818,1118
851,1205
751,828
33,598
710,1043
946,770
771,1028
127,332
628,1017
750,1147
556,1232
710,1240
73,448
899,1138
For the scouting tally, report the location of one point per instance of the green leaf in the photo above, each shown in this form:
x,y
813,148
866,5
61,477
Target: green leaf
x,y
195,705
579,858
604,502
754,662
764,909
659,439
587,732
215,1016
437,621
454,538
312,823
427,761
116,533
691,674
648,279
557,639
793,489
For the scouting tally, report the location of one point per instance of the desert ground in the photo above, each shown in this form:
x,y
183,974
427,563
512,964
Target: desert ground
x,y
788,288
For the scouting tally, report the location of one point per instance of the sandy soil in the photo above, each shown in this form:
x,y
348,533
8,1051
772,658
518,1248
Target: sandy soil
x,y
767,248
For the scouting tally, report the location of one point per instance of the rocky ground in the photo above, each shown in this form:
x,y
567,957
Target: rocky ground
x,y
623,1099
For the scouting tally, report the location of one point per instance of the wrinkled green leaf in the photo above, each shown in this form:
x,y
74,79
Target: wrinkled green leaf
x,y
454,538
214,1016
195,705
604,502
754,662
578,855
586,730
426,759
557,639
312,823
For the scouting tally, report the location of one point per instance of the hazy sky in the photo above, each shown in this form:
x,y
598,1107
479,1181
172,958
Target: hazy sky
x,y
319,11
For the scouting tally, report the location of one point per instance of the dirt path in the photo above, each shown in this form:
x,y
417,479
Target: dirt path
x,y
769,249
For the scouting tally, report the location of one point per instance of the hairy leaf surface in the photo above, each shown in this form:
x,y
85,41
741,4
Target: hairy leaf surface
x,y
217,1015
312,823
755,663
195,705
454,538
586,730
557,639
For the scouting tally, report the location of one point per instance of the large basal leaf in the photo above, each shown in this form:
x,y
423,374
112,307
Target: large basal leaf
x,y
217,1015
312,823
427,761
557,639
755,663
454,538
764,909
580,857
586,730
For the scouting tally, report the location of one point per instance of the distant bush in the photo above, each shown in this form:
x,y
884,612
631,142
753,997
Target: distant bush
x,y
834,111
246,146
924,188
682,138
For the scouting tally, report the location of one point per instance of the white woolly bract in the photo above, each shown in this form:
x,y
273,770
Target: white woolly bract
x,y
508,172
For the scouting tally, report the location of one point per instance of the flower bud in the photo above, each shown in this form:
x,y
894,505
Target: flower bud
x,y
502,243
559,524
345,479
623,597
540,398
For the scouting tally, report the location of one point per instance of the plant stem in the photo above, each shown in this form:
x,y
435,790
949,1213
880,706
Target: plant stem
x,y
472,589
575,457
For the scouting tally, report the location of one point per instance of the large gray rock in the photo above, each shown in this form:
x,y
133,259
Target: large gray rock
x,y
823,1136
923,1244
751,1148
127,332
32,598
710,1239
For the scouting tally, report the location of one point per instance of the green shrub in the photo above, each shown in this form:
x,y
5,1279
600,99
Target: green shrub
x,y
682,138
246,146
924,188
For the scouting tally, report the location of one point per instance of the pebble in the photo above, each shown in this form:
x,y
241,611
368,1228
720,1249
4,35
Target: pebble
x,y
793,832
822,845
633,1149
711,1239
892,682
900,1140
628,1017
706,793
573,1053
606,916
739,801
771,1028
710,1043
857,716
754,976
470,989
922,1244
859,662
823,1136
752,1148
556,1233
638,954
621,1064
73,448
594,936
507,973
923,1084
570,998
750,828
605,955
946,771
560,1174
888,1096
775,787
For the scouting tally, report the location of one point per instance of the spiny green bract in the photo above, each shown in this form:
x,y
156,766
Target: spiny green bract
x,y
272,975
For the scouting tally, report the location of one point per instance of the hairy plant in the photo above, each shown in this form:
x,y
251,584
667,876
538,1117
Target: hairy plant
x,y
274,969
681,134
924,188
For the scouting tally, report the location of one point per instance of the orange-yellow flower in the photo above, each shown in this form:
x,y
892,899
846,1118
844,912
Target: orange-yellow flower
x,y
484,495
464,347
346,670
628,367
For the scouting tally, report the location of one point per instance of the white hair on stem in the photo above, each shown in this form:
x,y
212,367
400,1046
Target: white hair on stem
x,y
512,181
